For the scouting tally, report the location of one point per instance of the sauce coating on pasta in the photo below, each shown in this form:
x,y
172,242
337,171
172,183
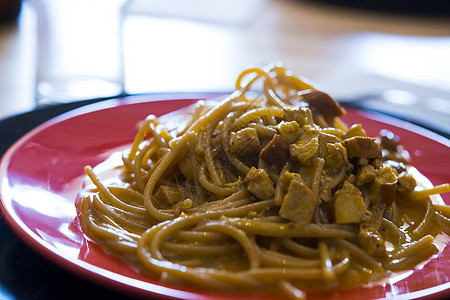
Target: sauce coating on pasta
x,y
265,192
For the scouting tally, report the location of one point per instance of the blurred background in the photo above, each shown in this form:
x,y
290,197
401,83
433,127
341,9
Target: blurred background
x,y
349,48
69,50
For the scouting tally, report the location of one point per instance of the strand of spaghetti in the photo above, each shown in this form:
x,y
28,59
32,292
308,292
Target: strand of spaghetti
x,y
200,109
307,274
315,181
140,137
156,135
125,244
361,256
257,72
209,160
144,161
220,204
181,222
200,277
199,192
178,145
201,250
425,193
240,236
415,253
299,249
425,222
200,236
127,195
111,198
132,225
290,230
390,229
325,262
443,222
279,192
243,168
443,210
272,95
106,222
136,167
301,83
255,114
276,259
290,290
220,191
413,248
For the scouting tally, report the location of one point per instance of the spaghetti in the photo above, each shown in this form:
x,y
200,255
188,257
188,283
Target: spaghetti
x,y
267,192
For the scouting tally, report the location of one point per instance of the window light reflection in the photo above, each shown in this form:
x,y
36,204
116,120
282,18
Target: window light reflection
x,y
419,60
164,54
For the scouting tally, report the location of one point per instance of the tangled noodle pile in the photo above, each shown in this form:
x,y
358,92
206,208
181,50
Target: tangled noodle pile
x,y
265,192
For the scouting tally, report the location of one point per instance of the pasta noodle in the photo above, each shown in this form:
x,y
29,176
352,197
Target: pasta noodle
x,y
265,192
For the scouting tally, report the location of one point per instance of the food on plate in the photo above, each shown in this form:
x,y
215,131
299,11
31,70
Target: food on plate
x,y
265,191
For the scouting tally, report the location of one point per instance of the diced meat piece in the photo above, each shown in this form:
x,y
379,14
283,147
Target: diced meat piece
x,y
168,195
354,130
245,142
265,133
324,140
323,104
301,115
287,177
347,205
259,184
336,158
305,153
362,147
372,241
290,130
299,203
383,187
365,175
388,140
276,153
406,183
308,133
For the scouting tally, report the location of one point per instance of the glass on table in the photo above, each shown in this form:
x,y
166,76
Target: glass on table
x,y
79,51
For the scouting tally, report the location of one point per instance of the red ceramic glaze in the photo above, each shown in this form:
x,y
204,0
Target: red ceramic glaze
x,y
41,174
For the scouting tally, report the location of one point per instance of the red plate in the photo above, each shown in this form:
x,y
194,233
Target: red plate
x,y
41,174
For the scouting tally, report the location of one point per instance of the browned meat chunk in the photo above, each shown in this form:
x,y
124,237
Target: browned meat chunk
x,y
323,104
389,141
276,153
336,158
355,130
365,175
299,203
383,187
362,147
324,140
245,142
290,130
305,153
347,205
301,115
259,184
